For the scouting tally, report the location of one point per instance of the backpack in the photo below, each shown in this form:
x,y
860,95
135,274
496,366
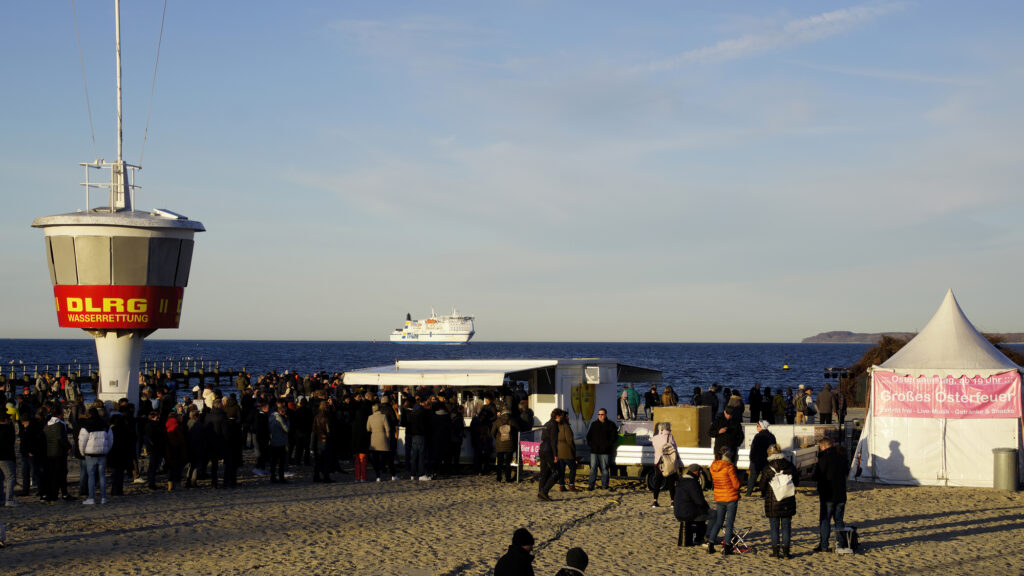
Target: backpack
x,y
809,410
669,460
782,486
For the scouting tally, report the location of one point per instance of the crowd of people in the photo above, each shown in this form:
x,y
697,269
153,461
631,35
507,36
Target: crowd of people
x,y
789,406
176,438
775,476
197,438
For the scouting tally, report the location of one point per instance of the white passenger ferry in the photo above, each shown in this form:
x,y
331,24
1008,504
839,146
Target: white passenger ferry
x,y
453,329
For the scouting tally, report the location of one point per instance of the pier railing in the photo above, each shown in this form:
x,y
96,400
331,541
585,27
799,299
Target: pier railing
x,y
181,370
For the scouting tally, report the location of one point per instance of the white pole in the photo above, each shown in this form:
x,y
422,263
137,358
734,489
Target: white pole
x,y
120,198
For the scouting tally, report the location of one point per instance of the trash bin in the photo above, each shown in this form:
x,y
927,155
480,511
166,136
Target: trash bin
x,y
1004,471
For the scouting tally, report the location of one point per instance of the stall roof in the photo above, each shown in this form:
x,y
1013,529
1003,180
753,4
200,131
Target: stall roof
x,y
638,375
477,372
442,372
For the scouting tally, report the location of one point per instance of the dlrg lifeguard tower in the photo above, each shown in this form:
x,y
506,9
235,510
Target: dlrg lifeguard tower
x,y
118,273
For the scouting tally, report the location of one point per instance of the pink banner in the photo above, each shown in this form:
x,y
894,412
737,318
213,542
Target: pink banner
x,y
996,396
531,452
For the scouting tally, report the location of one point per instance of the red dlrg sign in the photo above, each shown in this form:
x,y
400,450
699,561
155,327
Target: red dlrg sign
x,y
118,307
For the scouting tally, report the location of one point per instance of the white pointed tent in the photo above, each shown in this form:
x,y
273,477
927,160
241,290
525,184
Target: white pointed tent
x,y
939,407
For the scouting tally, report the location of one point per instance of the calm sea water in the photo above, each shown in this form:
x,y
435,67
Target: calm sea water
x,y
683,365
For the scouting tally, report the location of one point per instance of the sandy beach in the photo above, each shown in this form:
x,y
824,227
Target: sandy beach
x,y
462,525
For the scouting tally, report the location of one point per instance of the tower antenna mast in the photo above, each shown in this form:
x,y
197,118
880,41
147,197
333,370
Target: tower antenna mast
x,y
121,199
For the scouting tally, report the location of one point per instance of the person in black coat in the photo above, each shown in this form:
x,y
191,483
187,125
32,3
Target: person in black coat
x,y
710,398
58,447
601,438
233,441
759,446
779,512
167,402
690,506
417,431
300,432
140,419
518,561
248,406
727,431
196,449
33,452
456,435
754,401
360,437
767,413
550,474
651,399
156,445
440,436
215,436
122,452
322,439
261,426
830,474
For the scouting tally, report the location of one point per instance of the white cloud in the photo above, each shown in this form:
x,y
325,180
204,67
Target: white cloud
x,y
793,33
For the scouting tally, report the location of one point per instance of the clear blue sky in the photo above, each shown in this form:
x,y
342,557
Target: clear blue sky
x,y
663,171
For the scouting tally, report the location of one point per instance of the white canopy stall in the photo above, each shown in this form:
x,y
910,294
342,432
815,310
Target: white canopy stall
x,y
578,385
939,407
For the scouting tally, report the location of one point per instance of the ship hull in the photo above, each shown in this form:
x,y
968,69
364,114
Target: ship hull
x,y
431,338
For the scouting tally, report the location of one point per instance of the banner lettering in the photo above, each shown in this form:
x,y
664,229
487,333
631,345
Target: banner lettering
x,y
118,307
996,396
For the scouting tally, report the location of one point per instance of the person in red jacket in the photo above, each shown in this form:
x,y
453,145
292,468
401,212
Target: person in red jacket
x,y
727,497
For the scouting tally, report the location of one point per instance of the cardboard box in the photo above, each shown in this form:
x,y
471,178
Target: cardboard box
x,y
689,424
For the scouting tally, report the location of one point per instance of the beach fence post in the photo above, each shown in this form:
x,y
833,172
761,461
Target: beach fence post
x,y
519,460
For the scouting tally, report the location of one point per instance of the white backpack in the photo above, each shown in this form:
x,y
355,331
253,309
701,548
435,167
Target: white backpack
x,y
782,486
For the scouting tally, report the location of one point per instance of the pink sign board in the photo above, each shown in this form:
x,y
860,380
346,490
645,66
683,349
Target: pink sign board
x,y
996,396
531,452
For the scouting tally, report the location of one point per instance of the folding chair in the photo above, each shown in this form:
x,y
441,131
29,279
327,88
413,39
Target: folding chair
x,y
739,545
852,540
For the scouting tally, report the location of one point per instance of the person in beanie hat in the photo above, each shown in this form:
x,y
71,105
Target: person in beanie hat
x,y
575,562
518,561
690,506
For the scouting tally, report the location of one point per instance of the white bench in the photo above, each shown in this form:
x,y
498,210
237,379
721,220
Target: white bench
x,y
644,456
803,459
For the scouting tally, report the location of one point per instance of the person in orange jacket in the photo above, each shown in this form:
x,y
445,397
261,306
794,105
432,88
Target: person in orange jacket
x,y
727,497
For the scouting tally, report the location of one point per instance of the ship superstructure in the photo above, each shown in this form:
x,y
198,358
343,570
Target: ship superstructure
x,y
450,329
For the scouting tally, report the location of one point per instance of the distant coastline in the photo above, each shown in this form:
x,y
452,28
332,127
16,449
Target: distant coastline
x,y
846,337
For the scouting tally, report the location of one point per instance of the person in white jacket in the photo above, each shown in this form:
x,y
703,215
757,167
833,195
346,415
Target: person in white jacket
x,y
666,462
94,441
